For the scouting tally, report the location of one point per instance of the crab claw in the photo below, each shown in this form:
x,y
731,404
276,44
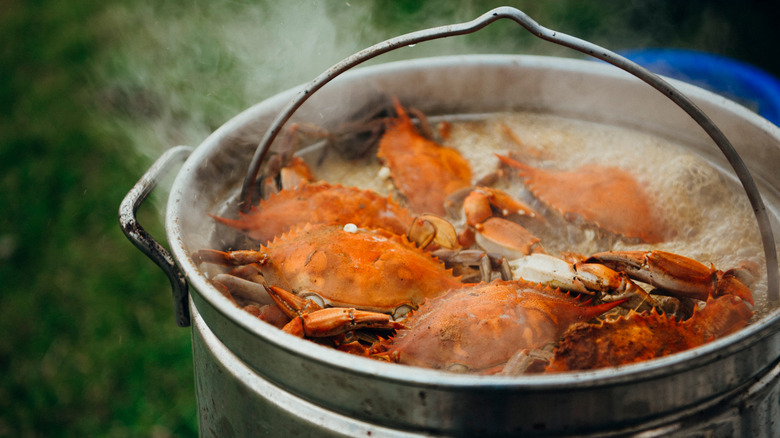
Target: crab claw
x,y
507,238
492,233
678,275
296,173
337,320
232,258
730,283
429,228
292,305
310,320
479,204
578,277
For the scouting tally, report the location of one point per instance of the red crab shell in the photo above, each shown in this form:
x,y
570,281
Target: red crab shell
x,y
480,327
639,337
607,197
320,203
423,171
366,269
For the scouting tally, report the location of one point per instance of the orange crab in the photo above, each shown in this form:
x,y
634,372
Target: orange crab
x,y
475,328
320,203
479,328
424,171
647,335
607,197
367,269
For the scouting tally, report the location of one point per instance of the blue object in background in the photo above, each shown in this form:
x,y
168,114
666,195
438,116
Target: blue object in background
x,y
738,81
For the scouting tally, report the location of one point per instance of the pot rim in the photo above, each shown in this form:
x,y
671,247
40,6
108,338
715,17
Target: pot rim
x,y
697,357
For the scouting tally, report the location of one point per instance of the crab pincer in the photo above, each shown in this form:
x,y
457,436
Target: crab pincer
x,y
310,320
675,274
485,209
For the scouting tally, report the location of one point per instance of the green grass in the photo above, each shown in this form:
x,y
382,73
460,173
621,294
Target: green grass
x,y
93,91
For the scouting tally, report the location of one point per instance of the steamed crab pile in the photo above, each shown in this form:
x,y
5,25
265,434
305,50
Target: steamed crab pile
x,y
447,271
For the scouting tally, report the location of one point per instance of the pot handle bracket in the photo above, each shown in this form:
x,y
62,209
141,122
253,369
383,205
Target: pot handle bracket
x,y
144,241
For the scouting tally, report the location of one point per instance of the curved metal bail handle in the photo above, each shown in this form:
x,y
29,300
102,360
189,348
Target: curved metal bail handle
x,y
759,209
144,241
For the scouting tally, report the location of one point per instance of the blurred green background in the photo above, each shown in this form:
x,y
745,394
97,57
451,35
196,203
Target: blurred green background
x,y
92,92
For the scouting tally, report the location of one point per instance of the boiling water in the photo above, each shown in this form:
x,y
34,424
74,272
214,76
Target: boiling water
x,y
706,210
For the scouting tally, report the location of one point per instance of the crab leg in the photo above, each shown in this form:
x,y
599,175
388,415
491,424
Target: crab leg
x,y
246,289
678,275
312,321
474,265
231,258
270,271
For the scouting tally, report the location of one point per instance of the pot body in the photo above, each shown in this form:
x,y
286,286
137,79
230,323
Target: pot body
x,y
681,391
235,401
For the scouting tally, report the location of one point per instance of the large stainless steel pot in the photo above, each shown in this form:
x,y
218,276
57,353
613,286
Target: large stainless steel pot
x,y
681,393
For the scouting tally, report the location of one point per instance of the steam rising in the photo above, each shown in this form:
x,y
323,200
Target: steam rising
x,y
176,73
174,78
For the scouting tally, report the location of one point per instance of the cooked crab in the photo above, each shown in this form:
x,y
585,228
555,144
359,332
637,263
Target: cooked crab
x,y
479,328
727,307
607,197
423,171
320,203
368,269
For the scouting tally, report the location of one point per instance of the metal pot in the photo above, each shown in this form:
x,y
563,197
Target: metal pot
x,y
251,377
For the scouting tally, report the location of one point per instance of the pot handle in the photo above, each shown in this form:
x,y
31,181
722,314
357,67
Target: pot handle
x,y
144,241
687,105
